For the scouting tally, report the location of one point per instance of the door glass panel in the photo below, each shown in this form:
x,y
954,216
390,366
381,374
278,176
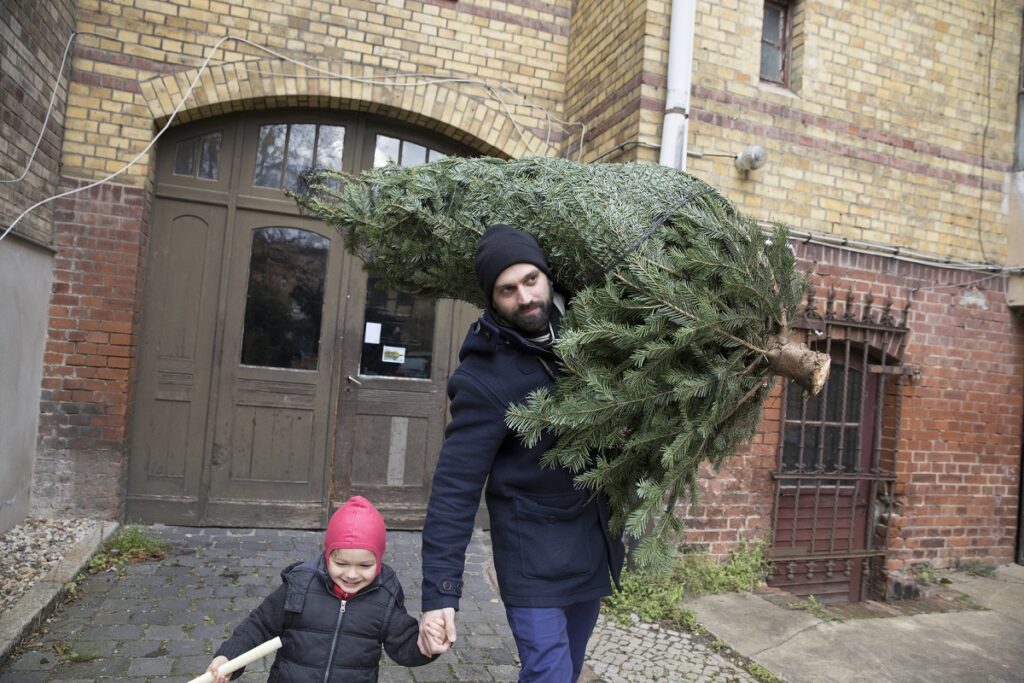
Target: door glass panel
x,y
398,333
386,151
198,157
398,329
330,147
209,156
284,298
413,154
270,155
185,157
832,418
300,151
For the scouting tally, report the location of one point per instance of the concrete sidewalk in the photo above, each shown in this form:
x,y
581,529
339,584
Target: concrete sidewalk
x,y
966,645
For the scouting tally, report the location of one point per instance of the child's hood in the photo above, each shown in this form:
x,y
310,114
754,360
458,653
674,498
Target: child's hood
x,y
356,524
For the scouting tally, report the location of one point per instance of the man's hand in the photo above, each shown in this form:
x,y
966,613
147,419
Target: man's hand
x,y
437,631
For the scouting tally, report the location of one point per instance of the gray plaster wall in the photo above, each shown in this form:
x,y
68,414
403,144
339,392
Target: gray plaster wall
x,y
25,275
34,35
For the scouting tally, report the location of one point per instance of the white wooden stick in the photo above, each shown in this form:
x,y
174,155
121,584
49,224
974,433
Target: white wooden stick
x,y
241,660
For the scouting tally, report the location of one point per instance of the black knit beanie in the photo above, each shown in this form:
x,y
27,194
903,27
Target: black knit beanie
x,y
503,246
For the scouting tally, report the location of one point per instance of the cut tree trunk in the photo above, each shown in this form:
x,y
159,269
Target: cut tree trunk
x,y
795,361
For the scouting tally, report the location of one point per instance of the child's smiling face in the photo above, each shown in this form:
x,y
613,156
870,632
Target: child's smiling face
x,y
352,569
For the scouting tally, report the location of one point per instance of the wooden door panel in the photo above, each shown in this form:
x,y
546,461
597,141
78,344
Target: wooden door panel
x,y
391,449
271,435
272,445
216,440
826,518
169,442
389,429
169,433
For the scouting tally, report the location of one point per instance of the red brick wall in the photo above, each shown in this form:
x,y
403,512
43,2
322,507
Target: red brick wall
x,y
958,465
99,234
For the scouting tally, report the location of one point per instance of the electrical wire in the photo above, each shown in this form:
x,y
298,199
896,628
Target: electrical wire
x,y
898,253
49,111
969,283
984,134
145,150
423,79
389,81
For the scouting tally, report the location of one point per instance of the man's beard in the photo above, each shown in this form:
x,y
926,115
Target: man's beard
x,y
532,319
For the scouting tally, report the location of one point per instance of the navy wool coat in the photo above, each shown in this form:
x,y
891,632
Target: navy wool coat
x,y
550,540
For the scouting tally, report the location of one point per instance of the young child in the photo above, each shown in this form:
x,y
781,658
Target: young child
x,y
334,612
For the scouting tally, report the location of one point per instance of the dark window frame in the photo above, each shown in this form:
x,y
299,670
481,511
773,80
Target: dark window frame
x,y
1018,138
783,47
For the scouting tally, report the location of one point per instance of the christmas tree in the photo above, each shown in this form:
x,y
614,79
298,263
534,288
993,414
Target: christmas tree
x,y
677,325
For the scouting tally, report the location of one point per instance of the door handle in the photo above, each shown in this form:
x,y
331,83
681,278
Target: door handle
x,y
352,379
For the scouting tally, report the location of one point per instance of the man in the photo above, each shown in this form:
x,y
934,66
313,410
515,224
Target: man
x,y
553,555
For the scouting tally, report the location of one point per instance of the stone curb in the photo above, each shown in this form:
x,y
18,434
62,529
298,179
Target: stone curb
x,y
39,601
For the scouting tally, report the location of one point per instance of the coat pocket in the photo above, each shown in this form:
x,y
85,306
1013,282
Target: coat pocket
x,y
555,537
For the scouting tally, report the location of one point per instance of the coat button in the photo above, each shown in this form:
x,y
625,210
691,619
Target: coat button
x,y
446,585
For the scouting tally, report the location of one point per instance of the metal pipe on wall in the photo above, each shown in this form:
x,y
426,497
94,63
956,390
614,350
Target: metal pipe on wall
x,y
680,76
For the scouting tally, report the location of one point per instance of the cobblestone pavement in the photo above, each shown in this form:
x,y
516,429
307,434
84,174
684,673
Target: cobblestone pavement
x,y
160,621
644,652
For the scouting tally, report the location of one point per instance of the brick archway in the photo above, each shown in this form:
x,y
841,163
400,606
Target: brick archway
x,y
456,108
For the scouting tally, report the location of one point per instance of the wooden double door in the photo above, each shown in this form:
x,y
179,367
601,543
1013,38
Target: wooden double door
x,y
274,378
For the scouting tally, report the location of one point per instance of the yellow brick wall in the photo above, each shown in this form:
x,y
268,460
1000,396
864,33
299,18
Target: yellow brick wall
x,y
33,37
505,65
892,133
604,84
881,138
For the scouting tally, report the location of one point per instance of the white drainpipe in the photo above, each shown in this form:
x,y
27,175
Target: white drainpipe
x,y
680,69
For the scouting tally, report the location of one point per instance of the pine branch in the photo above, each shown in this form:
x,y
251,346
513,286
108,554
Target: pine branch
x,y
677,324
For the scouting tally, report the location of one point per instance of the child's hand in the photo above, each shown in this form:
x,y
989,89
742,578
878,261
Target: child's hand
x,y
438,635
216,664
437,632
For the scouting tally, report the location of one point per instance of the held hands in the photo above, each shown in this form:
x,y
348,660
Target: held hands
x,y
437,631
216,664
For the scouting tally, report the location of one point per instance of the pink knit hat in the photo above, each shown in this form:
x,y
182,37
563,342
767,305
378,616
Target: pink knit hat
x,y
356,524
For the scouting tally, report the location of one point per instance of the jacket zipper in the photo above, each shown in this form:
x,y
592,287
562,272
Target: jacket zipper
x,y
334,642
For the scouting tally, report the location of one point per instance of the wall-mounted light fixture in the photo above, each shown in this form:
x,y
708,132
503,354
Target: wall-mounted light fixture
x,y
751,158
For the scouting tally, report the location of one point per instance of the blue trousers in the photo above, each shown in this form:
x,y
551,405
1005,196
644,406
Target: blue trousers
x,y
552,641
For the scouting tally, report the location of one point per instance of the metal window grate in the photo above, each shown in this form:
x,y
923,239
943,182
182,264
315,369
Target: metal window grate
x,y
837,457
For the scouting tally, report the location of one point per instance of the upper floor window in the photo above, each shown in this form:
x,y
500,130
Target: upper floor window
x,y
774,43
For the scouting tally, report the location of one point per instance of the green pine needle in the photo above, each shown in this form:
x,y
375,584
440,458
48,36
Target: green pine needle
x,y
675,296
